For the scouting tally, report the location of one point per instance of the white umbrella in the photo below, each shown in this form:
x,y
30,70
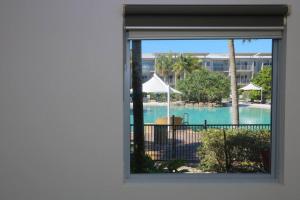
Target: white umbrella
x,y
156,85
251,86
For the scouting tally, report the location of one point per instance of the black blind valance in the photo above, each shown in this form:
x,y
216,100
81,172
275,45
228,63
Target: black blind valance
x,y
176,16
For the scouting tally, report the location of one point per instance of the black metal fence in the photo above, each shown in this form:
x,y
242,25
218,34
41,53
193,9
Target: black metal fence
x,y
167,142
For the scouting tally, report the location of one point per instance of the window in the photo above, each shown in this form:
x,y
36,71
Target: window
x,y
165,139
219,65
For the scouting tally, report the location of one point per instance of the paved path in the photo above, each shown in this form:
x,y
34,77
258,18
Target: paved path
x,y
159,144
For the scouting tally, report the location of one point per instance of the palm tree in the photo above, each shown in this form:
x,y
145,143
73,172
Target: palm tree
x,y
192,63
164,65
179,66
185,64
137,99
234,92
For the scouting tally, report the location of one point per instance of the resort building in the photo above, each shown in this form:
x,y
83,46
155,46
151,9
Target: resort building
x,y
247,64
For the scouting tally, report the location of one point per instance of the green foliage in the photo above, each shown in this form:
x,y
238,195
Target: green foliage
x,y
148,165
185,64
172,166
264,80
204,86
164,64
233,150
158,97
151,166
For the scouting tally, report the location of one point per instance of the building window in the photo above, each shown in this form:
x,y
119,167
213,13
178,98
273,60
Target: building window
x,y
163,141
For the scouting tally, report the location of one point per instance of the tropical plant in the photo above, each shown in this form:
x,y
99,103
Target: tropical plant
x,y
164,65
151,166
171,166
233,150
185,64
193,63
179,66
204,86
264,80
234,92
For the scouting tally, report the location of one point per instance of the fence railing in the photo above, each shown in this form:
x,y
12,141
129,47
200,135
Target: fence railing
x,y
169,142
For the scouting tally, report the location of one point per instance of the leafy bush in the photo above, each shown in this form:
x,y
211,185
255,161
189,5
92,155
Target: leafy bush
x,y
233,150
158,97
171,166
204,86
264,80
150,166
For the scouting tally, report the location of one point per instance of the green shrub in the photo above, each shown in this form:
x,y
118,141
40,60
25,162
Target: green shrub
x,y
233,150
203,85
171,166
264,80
150,166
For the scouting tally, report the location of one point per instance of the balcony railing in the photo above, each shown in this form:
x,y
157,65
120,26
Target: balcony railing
x,y
244,67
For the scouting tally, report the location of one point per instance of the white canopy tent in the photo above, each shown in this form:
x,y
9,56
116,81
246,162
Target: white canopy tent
x,y
252,86
156,85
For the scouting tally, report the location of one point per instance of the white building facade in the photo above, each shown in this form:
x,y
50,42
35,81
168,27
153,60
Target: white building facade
x,y
247,65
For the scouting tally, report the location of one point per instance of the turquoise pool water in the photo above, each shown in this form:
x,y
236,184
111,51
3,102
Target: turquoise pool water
x,y
220,115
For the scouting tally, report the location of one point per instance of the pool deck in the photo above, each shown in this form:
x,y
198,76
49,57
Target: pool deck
x,y
242,104
186,141
255,105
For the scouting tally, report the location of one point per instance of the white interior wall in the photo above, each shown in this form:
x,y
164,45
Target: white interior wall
x,y
61,106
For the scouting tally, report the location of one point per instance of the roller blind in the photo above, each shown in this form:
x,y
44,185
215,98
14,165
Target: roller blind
x,y
207,21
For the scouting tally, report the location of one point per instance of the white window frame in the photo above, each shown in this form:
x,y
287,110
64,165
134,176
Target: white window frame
x,y
277,129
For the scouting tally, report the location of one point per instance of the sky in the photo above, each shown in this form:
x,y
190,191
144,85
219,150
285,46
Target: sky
x,y
205,46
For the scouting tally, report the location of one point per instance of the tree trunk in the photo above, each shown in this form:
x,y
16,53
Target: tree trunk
x,y
137,99
234,93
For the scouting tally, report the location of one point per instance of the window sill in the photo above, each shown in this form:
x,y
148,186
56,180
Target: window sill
x,y
134,179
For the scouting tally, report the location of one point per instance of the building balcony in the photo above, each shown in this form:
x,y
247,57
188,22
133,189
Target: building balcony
x,y
244,67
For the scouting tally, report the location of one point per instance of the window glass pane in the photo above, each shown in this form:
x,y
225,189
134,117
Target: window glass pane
x,y
183,117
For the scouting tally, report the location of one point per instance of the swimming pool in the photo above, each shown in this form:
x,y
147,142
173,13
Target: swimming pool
x,y
213,115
